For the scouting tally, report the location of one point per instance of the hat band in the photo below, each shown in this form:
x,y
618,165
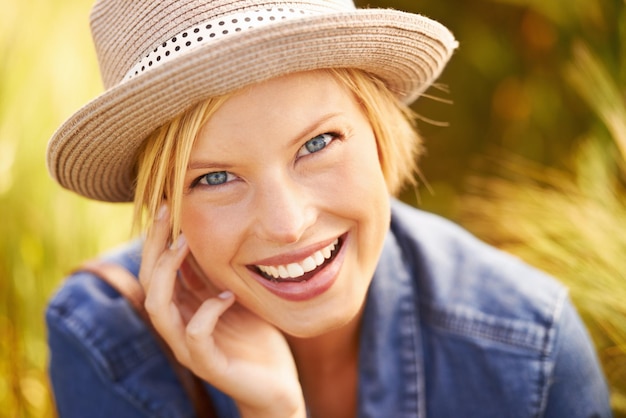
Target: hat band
x,y
214,30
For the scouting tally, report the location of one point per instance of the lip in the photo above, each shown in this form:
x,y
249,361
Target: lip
x,y
314,286
294,256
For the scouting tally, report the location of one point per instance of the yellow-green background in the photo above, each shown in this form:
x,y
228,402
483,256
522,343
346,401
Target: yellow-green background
x,y
527,150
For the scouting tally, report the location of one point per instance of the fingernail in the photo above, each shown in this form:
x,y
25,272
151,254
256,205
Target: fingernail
x,y
226,294
180,242
162,212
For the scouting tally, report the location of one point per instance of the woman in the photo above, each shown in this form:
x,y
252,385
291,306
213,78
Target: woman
x,y
262,141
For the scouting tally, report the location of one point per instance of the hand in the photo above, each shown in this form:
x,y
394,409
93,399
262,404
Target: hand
x,y
212,335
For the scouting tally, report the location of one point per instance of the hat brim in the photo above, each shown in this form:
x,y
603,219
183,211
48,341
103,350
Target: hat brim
x,y
94,152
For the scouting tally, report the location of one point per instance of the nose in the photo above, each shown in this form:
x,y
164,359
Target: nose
x,y
283,210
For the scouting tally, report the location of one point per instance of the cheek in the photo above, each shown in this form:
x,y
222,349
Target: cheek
x,y
210,234
369,195
359,182
358,194
195,220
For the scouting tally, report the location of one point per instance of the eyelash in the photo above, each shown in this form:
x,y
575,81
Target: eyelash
x,y
197,181
332,137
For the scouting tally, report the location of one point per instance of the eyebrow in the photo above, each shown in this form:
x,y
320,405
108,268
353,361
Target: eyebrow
x,y
313,127
200,164
206,165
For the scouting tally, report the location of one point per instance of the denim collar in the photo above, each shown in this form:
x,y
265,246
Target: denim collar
x,y
391,381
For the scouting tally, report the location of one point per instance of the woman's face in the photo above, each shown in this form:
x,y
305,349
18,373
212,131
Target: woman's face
x,y
285,203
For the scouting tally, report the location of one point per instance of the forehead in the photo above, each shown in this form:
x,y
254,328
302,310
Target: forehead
x,y
290,99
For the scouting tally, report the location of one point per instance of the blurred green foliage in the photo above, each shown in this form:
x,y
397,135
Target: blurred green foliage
x,y
47,70
515,90
570,219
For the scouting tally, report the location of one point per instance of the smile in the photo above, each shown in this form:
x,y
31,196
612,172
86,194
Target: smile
x,y
302,270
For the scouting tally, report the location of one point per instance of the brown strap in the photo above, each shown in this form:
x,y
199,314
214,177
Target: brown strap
x,y
128,286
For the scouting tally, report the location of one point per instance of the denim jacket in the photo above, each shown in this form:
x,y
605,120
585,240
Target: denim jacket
x,y
451,328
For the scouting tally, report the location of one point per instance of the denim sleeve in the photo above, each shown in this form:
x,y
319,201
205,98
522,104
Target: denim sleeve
x,y
80,390
578,388
103,360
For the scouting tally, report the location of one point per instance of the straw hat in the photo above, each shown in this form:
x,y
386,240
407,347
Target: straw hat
x,y
159,58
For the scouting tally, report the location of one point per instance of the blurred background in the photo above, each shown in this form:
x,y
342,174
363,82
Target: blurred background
x,y
526,140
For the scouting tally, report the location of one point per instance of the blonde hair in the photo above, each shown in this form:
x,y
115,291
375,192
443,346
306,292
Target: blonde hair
x,y
162,164
163,160
393,123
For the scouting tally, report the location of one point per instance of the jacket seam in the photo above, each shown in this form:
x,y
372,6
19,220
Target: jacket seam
x,y
93,356
78,334
468,323
547,362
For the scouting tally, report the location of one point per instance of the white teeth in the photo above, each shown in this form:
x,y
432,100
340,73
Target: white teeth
x,y
295,270
282,272
318,258
309,264
273,271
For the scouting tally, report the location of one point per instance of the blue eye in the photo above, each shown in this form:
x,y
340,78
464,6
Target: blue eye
x,y
316,144
216,178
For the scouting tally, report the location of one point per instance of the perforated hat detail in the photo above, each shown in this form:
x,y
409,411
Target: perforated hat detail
x,y
212,31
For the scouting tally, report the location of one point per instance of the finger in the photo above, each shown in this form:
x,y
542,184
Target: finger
x,y
163,278
201,346
154,245
160,303
204,321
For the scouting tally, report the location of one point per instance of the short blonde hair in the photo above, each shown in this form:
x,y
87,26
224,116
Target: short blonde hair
x,y
163,160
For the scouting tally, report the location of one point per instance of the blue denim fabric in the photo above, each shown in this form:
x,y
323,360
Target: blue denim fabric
x,y
452,328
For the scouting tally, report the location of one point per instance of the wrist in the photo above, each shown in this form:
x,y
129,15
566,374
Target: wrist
x,y
288,408
273,413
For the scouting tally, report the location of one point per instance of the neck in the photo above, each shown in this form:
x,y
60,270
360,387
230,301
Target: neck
x,y
330,347
328,370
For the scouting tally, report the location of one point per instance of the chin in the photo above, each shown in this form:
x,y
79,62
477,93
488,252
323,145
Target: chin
x,y
316,325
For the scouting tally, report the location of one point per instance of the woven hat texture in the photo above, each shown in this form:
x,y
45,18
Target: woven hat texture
x,y
159,58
